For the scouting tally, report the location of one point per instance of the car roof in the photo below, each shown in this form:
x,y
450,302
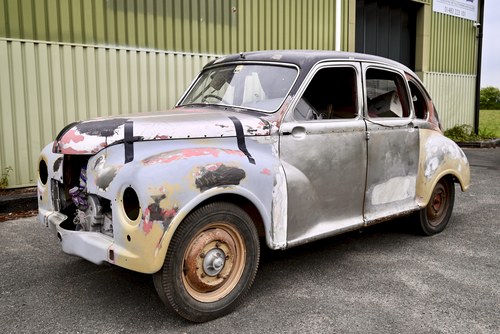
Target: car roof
x,y
305,58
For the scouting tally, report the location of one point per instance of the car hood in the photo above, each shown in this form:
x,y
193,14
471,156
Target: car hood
x,y
89,137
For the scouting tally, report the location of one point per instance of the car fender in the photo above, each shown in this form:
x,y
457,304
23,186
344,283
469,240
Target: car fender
x,y
439,156
171,183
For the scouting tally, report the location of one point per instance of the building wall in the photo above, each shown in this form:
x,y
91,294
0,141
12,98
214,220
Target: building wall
x,y
448,65
199,26
63,61
45,86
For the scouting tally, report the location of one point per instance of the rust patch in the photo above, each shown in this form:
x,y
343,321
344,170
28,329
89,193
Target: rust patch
x,y
218,175
154,213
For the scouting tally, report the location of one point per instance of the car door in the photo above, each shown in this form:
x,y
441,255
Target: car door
x,y
393,144
323,153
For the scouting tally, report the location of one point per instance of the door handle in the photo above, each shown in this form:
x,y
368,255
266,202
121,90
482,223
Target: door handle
x,y
299,132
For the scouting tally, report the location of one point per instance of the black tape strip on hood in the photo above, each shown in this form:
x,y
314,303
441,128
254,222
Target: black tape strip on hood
x,y
240,137
129,141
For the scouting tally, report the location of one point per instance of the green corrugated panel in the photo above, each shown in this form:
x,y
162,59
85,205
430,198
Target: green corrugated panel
x,y
453,95
45,86
453,45
205,26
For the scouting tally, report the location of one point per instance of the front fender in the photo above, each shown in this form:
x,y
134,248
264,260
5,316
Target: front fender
x,y
439,156
170,183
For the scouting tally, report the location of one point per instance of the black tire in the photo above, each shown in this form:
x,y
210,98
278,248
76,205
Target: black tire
x,y
435,216
211,263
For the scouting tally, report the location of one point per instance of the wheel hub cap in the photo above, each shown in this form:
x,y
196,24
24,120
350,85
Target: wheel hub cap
x,y
214,262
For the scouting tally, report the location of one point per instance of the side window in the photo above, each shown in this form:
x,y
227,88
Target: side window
x,y
386,94
419,101
331,94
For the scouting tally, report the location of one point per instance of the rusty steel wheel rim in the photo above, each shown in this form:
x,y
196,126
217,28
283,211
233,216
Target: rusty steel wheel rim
x,y
213,262
438,204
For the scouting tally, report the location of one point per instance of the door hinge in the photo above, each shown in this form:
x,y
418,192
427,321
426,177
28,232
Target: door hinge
x,y
367,135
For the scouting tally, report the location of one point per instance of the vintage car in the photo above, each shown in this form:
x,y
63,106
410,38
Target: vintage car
x,y
290,146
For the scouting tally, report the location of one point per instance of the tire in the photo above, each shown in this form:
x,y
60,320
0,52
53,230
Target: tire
x,y
435,216
211,263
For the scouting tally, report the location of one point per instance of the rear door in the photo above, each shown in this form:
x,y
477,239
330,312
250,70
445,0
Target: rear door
x,y
393,144
323,152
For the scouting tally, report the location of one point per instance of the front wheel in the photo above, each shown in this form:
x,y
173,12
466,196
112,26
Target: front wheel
x,y
435,216
211,262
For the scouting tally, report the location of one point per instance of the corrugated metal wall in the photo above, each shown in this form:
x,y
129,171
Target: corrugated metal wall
x,y
90,66
451,76
45,86
206,26
453,46
453,96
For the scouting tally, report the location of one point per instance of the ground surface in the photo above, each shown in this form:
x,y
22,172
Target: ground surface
x,y
383,280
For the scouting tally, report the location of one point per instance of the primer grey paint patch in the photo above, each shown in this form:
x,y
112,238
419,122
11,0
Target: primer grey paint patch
x,y
218,175
103,128
57,164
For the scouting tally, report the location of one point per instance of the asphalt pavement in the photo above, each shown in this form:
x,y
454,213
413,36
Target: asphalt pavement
x,y
385,279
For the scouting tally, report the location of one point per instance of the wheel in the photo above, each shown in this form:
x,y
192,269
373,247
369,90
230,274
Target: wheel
x,y
435,216
211,262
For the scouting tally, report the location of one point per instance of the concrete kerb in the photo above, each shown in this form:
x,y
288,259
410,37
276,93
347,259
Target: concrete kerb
x,y
492,143
14,201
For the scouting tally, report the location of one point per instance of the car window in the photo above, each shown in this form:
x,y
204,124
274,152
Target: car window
x,y
419,101
253,86
386,94
331,94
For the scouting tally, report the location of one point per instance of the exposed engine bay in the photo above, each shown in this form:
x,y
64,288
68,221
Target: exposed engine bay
x,y
86,212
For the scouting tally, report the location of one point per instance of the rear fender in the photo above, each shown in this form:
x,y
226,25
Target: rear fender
x,y
439,157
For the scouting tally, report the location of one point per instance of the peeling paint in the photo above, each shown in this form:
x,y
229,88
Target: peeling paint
x,y
266,171
218,175
155,213
90,137
104,175
168,157
100,128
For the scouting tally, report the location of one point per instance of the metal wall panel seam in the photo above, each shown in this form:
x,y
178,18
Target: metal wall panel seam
x,y
110,47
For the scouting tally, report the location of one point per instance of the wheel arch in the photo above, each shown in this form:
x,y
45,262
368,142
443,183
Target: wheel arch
x,y
452,175
439,157
238,196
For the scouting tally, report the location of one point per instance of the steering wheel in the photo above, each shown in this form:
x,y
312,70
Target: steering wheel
x,y
213,96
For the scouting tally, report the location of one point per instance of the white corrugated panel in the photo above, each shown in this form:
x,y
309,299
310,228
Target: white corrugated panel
x,y
44,86
454,97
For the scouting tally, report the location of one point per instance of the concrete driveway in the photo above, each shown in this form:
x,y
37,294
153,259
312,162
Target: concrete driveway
x,y
385,279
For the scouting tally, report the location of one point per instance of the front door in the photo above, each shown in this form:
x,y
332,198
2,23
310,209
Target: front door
x,y
323,151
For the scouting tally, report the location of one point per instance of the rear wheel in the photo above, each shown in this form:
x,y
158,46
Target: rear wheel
x,y
435,216
211,263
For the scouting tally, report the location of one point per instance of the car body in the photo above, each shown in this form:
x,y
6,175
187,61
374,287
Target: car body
x,y
291,146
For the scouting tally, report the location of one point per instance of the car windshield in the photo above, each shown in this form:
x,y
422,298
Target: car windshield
x,y
253,86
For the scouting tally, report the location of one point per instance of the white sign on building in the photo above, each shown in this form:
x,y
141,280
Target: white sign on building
x,y
466,9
